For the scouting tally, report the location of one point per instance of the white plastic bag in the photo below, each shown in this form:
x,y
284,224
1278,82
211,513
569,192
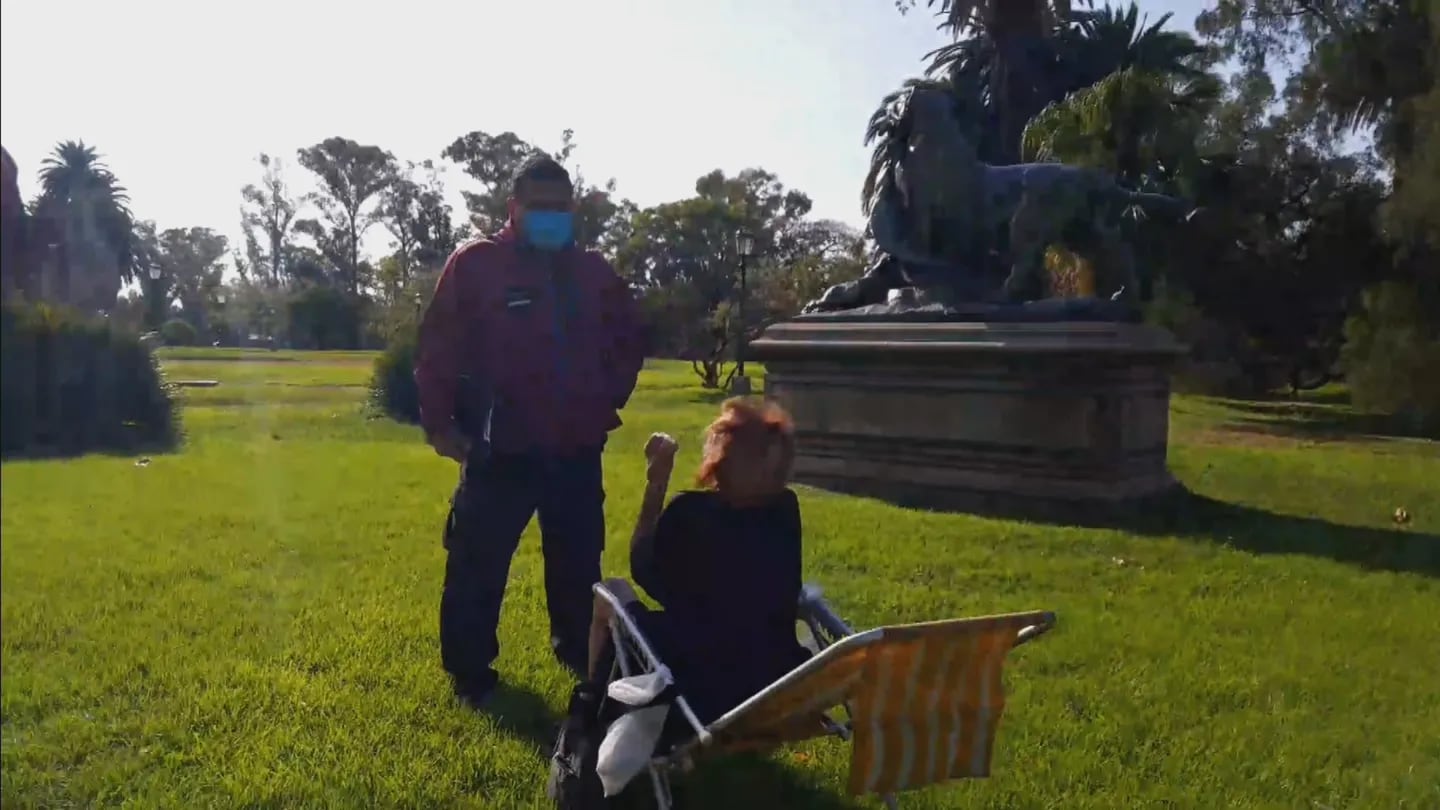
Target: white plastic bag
x,y
628,746
630,741
641,690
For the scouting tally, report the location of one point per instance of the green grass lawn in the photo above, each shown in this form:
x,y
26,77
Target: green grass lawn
x,y
251,622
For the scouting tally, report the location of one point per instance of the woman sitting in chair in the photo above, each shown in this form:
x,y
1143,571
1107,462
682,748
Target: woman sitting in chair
x,y
723,561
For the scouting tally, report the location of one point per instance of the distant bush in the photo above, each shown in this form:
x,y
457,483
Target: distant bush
x,y
392,385
176,332
1392,355
325,318
70,384
1217,362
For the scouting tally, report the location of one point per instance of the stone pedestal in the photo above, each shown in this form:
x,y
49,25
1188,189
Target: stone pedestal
x,y
976,416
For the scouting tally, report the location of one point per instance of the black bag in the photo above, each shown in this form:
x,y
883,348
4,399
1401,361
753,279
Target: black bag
x,y
574,784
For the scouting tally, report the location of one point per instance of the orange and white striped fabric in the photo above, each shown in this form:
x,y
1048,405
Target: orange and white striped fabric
x,y
925,701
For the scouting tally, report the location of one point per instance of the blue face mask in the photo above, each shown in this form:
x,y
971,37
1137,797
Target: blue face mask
x,y
548,230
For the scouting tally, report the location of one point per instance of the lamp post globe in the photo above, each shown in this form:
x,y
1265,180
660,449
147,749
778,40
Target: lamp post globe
x,y
745,244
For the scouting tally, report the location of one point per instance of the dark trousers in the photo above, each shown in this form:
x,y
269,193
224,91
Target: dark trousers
x,y
492,506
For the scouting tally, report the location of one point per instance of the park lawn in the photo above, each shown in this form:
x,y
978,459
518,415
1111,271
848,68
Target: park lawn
x,y
251,621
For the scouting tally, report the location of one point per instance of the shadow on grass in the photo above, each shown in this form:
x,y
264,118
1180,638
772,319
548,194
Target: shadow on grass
x,y
717,397
220,356
749,781
756,783
524,715
67,452
1311,420
1199,518
1329,395
709,397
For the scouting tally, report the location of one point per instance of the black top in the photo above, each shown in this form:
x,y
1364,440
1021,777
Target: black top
x,y
729,580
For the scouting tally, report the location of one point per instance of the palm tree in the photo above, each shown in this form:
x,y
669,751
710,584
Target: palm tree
x,y
1137,124
1074,50
1026,55
1006,42
88,206
1100,42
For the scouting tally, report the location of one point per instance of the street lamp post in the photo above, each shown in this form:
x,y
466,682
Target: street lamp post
x,y
220,312
744,249
270,327
157,303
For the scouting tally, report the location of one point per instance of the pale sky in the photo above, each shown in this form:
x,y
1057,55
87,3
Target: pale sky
x,y
181,97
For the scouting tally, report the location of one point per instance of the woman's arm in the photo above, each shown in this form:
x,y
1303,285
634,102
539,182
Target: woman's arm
x,y
644,567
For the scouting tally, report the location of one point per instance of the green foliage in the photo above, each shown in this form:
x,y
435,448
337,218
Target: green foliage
x,y
1138,125
266,217
190,262
352,176
72,384
1392,354
494,160
179,332
681,257
1414,209
418,217
79,190
1009,60
392,382
324,318
1360,63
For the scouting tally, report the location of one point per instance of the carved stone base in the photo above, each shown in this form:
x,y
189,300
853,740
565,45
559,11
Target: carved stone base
x,y
1009,417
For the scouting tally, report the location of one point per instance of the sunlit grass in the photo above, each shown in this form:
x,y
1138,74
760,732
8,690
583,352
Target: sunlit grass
x,y
251,622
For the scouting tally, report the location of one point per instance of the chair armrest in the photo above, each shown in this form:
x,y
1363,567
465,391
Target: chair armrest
x,y
824,623
1035,631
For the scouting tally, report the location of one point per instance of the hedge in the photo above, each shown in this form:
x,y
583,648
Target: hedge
x,y
71,384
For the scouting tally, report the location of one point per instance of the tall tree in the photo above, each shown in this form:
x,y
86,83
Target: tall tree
x,y
267,213
1141,126
682,258
809,257
192,263
90,210
1415,206
352,177
493,161
1019,61
1372,66
420,220
1358,62
1009,60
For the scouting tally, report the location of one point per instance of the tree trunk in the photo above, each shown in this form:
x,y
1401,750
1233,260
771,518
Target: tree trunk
x,y
1018,27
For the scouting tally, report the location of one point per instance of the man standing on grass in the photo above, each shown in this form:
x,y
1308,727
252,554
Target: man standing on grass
x,y
527,351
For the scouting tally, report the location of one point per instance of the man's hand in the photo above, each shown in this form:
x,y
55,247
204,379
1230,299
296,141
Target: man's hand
x,y
660,457
451,444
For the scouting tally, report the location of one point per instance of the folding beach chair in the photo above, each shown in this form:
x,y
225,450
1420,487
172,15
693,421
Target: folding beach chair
x,y
922,701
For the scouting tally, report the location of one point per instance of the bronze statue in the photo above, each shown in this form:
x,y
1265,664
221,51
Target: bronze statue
x,y
942,221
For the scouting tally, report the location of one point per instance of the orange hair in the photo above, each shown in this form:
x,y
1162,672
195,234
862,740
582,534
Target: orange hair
x,y
750,446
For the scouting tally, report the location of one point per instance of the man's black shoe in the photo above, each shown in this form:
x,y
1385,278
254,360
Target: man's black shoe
x,y
474,695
